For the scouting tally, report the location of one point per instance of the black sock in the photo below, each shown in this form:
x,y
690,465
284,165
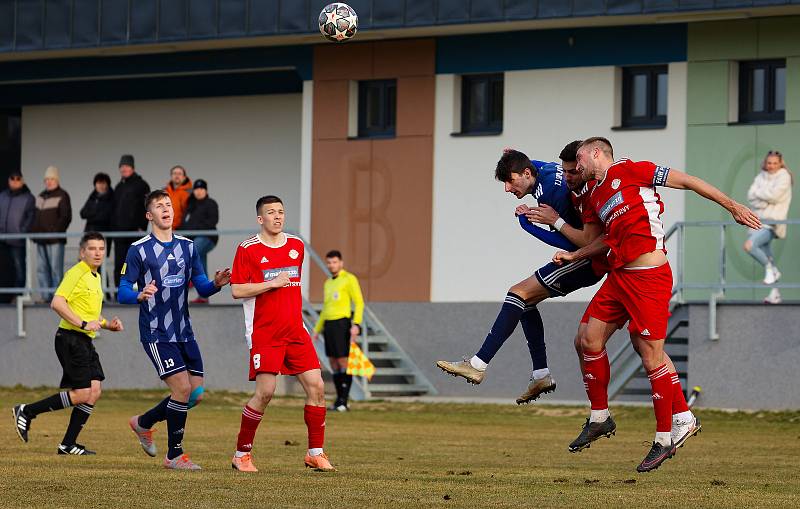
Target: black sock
x,y
337,383
176,422
80,414
346,383
156,414
57,401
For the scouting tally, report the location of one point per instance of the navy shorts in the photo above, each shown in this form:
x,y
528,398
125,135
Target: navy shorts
x,y
171,358
561,280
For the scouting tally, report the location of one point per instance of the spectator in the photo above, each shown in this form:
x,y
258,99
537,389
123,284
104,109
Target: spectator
x,y
202,213
129,213
17,210
179,189
53,214
769,196
99,207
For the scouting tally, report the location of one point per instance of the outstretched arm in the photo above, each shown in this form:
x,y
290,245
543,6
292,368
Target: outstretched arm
x,y
679,180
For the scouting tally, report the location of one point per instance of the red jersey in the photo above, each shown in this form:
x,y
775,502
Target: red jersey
x,y
580,201
628,206
273,317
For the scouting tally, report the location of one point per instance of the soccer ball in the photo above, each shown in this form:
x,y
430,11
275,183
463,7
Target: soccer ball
x,y
338,22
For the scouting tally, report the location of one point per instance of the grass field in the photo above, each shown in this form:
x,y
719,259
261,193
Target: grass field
x,y
400,455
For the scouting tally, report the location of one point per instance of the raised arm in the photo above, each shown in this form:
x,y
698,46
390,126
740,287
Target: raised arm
x,y
679,180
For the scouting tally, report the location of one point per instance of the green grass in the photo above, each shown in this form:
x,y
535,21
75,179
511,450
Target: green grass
x,y
400,455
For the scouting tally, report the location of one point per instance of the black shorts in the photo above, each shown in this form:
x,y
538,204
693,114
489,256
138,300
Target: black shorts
x,y
78,358
337,337
561,280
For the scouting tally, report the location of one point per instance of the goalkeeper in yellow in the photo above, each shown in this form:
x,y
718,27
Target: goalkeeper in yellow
x,y
340,323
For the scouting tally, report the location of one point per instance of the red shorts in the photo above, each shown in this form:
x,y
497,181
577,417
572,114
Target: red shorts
x,y
641,296
284,357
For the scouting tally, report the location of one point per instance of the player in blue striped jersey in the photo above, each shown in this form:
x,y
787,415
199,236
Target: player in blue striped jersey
x,y
162,265
546,182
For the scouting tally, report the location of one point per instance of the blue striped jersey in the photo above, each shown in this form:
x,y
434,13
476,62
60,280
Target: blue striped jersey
x,y
164,317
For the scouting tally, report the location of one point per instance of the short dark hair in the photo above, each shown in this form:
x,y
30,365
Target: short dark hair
x,y
513,161
91,236
334,253
102,177
599,142
154,196
266,200
569,153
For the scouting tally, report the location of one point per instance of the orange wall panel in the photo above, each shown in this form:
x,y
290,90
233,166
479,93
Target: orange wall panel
x,y
330,109
343,61
409,57
417,95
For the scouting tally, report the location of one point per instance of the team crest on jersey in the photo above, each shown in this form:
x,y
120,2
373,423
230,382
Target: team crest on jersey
x,y
615,183
293,254
335,295
264,259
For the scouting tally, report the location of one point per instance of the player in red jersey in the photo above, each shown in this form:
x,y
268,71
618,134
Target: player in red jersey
x,y
266,275
626,209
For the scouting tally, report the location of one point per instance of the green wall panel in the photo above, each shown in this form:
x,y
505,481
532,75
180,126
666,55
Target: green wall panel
x,y
779,37
723,40
707,100
793,91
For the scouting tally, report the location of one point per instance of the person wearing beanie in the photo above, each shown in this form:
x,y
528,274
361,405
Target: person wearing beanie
x,y
179,189
53,214
202,213
129,213
17,210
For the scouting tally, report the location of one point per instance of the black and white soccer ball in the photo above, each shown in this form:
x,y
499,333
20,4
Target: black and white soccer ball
x,y
338,22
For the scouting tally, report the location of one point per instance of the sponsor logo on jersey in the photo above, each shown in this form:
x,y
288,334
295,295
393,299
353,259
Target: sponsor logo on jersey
x,y
612,202
173,280
538,192
124,266
589,376
615,183
293,254
660,176
170,257
645,332
264,259
270,274
657,396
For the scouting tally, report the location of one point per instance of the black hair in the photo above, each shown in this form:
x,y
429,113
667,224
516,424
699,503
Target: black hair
x,y
334,253
154,196
266,200
569,153
102,177
91,236
513,161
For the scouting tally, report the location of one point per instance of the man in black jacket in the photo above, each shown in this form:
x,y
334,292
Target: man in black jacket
x,y
202,213
17,210
99,207
129,213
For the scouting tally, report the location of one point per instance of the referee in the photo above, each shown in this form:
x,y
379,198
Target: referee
x,y
342,294
78,301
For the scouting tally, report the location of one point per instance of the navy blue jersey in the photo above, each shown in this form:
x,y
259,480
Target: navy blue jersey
x,y
551,189
171,265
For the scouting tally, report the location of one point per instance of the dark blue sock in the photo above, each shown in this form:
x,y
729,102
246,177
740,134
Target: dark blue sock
x,y
504,325
531,321
156,414
176,422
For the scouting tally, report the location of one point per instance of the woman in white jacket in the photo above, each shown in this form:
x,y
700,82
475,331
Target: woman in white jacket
x,y
769,196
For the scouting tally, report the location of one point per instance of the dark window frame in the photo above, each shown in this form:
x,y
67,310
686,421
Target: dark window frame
x,y
746,113
652,118
493,123
387,113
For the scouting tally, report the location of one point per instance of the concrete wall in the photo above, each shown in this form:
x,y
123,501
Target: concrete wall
x,y
244,147
479,250
754,362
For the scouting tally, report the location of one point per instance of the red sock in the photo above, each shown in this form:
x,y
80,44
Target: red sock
x,y
661,388
596,373
315,421
247,431
678,397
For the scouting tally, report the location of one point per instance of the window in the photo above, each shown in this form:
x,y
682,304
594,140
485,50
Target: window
x,y
644,96
377,108
762,91
482,103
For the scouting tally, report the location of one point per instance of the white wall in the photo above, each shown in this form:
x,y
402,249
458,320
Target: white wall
x,y
245,147
479,250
